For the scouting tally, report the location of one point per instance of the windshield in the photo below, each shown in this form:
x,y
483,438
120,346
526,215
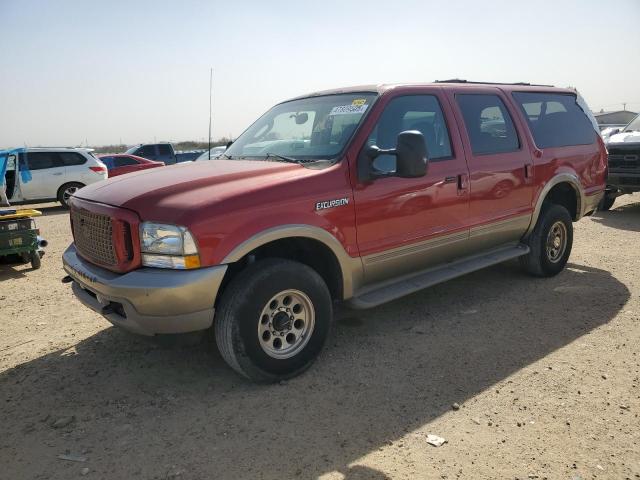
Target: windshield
x,y
634,125
215,153
308,129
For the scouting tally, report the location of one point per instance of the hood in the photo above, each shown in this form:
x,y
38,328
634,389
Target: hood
x,y
624,137
182,187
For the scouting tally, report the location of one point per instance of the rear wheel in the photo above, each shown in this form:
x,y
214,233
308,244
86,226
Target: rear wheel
x,y
273,320
35,260
65,192
550,242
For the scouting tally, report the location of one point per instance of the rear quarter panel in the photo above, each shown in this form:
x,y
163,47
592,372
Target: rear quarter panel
x,y
586,163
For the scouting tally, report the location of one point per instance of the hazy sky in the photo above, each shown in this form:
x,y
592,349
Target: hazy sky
x,y
135,71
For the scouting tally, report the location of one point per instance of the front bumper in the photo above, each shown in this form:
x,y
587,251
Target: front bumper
x,y
147,301
626,181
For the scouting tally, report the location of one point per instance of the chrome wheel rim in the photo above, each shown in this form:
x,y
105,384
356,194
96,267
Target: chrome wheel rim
x,y
556,241
66,195
285,324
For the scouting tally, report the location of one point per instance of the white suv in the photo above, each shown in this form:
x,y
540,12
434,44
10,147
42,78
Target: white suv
x,y
48,174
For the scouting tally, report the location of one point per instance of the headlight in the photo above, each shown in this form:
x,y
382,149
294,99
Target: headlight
x,y
168,246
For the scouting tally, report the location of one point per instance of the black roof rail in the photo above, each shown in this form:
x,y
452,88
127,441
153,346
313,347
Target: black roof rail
x,y
460,80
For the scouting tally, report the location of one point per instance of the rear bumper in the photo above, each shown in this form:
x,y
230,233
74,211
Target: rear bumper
x,y
591,203
147,301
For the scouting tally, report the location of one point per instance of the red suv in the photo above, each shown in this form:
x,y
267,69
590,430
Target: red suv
x,y
360,195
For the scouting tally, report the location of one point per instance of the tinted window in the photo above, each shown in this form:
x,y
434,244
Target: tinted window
x,y
164,149
72,158
42,160
147,151
412,112
555,119
488,124
108,161
124,161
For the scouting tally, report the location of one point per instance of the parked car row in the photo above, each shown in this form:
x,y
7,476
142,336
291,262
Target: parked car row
x,y
164,152
57,173
49,174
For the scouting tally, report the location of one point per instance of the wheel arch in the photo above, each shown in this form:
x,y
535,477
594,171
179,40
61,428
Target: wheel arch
x,y
60,189
324,253
563,189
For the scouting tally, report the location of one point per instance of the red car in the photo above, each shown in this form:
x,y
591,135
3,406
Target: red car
x,y
361,195
120,164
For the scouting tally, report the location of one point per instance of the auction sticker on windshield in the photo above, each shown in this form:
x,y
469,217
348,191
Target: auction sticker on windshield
x,y
348,109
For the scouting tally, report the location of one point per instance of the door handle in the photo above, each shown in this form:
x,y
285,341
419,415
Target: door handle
x,y
463,184
57,173
450,179
528,170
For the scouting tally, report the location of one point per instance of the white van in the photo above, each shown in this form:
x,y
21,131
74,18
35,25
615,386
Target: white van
x,y
36,175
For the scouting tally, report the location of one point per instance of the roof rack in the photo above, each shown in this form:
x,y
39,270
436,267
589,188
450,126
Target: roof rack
x,y
460,80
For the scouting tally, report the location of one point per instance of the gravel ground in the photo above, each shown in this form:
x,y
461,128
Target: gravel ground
x,y
524,378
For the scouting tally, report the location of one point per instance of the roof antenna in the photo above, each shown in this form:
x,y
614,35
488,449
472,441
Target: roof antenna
x,y
210,90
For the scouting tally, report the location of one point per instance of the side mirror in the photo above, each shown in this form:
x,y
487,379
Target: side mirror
x,y
229,143
411,158
411,155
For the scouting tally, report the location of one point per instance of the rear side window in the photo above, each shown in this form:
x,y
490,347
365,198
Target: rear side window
x,y
124,161
488,124
42,160
108,161
164,150
555,119
72,158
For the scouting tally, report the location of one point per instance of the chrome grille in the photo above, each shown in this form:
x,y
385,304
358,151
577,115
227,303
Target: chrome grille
x,y
628,161
93,236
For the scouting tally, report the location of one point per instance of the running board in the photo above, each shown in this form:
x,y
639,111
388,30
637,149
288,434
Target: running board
x,y
391,290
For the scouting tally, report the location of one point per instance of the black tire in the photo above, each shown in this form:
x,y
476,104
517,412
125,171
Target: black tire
x,y
240,311
606,203
541,261
35,260
64,190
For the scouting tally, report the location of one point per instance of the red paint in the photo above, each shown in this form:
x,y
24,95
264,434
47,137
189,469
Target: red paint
x,y
226,202
140,164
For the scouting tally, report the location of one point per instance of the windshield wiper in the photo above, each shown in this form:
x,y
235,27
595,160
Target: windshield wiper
x,y
283,158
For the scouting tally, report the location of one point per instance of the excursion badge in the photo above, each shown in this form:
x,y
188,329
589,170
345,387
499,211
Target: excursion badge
x,y
337,202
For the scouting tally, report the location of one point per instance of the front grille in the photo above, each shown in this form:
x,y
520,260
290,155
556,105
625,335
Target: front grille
x,y
629,181
624,161
93,236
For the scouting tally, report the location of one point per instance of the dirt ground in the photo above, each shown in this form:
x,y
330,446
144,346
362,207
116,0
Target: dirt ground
x,y
546,374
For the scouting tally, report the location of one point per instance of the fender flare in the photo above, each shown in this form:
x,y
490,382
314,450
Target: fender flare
x,y
350,268
569,178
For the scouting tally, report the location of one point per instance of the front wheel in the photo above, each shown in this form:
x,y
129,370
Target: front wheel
x,y
273,320
550,242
